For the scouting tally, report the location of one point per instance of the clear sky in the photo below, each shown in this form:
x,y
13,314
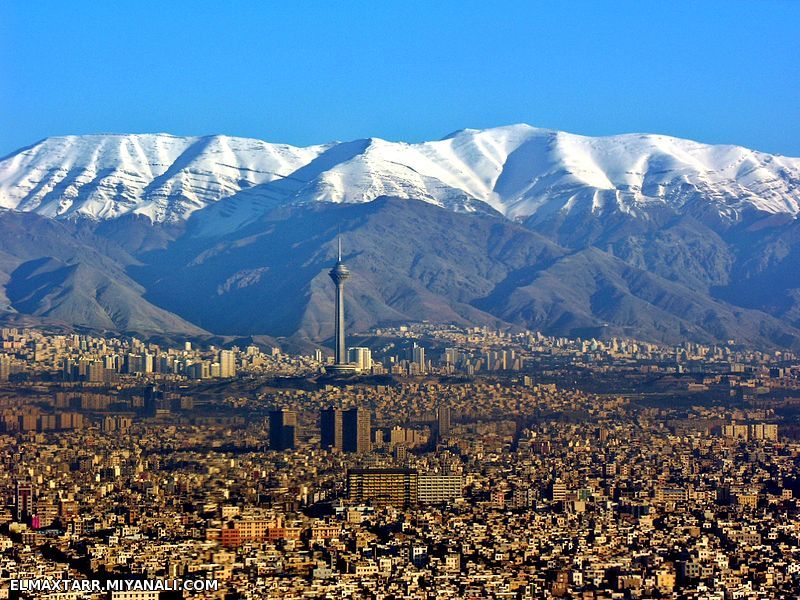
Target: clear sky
x,y
309,72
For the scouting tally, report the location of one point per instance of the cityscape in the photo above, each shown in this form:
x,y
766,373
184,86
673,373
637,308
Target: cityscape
x,y
399,300
438,462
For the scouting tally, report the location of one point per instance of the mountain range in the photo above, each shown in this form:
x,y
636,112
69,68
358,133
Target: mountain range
x,y
646,236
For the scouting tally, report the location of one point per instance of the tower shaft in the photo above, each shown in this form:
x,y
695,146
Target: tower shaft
x,y
340,350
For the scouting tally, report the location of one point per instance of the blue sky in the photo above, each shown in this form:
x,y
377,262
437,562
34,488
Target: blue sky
x,y
310,72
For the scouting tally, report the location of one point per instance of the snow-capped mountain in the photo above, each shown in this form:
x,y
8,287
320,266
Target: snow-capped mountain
x,y
516,170
161,176
639,235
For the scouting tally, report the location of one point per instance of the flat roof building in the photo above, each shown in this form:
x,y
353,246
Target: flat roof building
x,y
383,486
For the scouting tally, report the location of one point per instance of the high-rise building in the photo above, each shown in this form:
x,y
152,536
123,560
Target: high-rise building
x,y
451,356
5,368
227,363
111,363
282,429
69,370
95,371
558,490
150,400
418,356
198,370
23,500
439,489
134,363
356,427
361,358
443,419
339,274
383,487
331,428
765,431
406,437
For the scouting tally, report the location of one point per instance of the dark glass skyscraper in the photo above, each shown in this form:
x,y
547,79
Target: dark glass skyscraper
x,y
443,420
282,429
331,435
346,430
356,430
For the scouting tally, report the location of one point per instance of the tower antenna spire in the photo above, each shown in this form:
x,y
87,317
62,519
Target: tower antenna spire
x,y
339,239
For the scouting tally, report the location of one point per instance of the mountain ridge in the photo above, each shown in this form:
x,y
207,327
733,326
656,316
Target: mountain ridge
x,y
517,170
648,236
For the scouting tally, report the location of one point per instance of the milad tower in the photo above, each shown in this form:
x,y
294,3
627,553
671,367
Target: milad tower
x,y
339,274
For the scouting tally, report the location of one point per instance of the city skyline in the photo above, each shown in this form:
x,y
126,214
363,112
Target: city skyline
x,y
561,466
400,300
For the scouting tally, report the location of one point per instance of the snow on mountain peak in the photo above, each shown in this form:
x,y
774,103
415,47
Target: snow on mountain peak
x,y
518,170
162,176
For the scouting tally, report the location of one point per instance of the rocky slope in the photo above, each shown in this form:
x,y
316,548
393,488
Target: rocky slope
x,y
642,235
